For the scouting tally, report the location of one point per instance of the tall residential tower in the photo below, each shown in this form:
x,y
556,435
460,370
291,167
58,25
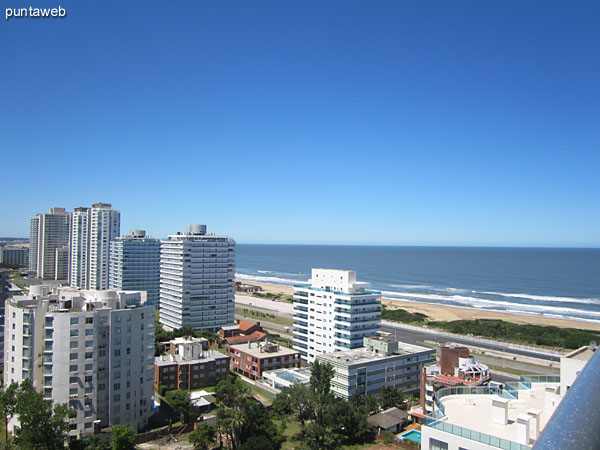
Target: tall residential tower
x,y
91,233
196,280
335,312
49,235
135,264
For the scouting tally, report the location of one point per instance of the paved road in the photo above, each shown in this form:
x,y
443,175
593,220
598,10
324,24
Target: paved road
x,y
412,336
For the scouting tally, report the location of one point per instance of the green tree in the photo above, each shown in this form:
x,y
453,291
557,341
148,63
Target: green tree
x,y
123,437
8,405
99,441
243,420
203,437
391,396
181,402
42,425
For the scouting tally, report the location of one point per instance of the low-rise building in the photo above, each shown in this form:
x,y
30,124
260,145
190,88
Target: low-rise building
x,y
250,288
391,420
15,254
242,333
381,362
279,379
491,417
189,365
253,359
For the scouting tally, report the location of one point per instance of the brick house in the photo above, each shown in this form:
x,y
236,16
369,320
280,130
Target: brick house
x,y
189,366
253,359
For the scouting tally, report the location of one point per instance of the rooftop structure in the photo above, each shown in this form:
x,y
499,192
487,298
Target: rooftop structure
x,y
455,367
381,362
488,417
333,313
390,420
281,378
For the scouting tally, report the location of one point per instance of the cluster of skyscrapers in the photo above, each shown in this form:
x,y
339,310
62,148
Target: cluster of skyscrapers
x,y
89,340
191,272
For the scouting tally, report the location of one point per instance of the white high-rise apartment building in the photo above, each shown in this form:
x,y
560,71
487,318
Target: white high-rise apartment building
x,y
334,313
105,225
91,349
197,280
80,248
91,233
47,233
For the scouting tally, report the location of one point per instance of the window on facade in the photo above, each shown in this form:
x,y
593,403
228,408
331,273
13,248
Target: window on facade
x,y
434,444
74,320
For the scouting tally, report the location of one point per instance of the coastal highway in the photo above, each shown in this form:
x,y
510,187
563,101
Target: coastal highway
x,y
410,336
413,336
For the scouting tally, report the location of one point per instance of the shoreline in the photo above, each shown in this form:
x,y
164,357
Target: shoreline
x,y
446,313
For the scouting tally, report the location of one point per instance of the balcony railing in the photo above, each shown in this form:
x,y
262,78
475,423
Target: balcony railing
x,y
437,418
576,421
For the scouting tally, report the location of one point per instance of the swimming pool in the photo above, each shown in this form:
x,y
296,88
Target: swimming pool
x,y
412,435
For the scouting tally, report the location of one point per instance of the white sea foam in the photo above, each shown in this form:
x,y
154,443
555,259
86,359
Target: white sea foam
x,y
265,279
476,302
548,298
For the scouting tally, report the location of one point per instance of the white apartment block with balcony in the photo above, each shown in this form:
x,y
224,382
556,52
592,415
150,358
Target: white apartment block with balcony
x,y
49,232
93,350
382,362
197,280
333,313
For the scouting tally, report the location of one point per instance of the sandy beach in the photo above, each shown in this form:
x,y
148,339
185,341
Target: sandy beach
x,y
449,313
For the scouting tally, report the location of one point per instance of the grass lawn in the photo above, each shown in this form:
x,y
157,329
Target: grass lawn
x,y
264,314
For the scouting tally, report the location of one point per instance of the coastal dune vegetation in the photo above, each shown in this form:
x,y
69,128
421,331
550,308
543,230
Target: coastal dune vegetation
x,y
549,336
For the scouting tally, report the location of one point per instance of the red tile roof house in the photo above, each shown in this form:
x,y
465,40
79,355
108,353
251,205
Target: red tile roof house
x,y
242,333
253,359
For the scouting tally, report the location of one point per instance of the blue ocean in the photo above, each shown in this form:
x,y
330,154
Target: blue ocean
x,y
553,282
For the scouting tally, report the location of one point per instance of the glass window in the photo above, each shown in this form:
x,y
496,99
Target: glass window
x,y
74,321
434,444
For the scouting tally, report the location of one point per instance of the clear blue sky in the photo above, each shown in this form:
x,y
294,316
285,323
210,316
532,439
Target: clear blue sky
x,y
388,122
